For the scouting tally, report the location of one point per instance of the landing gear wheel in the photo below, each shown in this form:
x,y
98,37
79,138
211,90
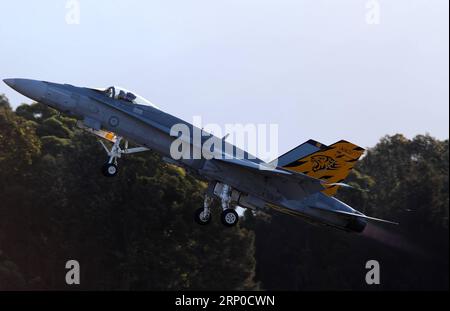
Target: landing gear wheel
x,y
229,217
201,217
109,170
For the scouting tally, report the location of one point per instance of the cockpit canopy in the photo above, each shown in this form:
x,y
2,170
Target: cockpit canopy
x,y
125,95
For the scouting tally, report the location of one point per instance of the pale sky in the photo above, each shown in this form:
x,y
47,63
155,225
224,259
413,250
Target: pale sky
x,y
314,67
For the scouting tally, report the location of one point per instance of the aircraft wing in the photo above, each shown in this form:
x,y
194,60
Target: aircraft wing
x,y
264,168
308,184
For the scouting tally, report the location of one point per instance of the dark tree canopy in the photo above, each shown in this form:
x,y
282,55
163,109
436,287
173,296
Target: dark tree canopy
x,y
399,179
133,232
137,231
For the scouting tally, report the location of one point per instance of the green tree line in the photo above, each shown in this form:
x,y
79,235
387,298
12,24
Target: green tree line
x,y
136,231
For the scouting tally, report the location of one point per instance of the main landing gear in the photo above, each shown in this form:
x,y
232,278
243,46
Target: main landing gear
x,y
203,215
229,217
110,168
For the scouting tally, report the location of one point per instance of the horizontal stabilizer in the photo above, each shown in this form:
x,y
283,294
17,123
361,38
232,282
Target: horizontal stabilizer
x,y
308,184
356,215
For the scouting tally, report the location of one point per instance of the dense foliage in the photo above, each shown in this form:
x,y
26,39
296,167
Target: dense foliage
x,y
137,231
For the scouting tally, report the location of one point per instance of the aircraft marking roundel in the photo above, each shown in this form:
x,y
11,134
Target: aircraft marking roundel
x,y
114,121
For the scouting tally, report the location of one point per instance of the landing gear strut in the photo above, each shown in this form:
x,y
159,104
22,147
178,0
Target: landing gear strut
x,y
229,216
203,215
110,168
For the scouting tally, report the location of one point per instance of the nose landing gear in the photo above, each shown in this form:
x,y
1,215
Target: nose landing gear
x,y
110,168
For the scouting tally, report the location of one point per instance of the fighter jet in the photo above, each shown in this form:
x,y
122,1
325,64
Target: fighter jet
x,y
302,182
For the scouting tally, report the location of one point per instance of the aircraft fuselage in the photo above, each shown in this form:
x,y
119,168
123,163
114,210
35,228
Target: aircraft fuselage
x,y
150,127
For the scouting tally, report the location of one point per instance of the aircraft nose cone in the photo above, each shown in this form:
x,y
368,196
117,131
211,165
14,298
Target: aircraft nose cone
x,y
33,89
9,82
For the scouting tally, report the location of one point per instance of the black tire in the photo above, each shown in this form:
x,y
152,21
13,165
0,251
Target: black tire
x,y
198,217
110,170
229,218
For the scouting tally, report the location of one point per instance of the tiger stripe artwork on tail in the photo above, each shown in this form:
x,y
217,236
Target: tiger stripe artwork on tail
x,y
331,164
